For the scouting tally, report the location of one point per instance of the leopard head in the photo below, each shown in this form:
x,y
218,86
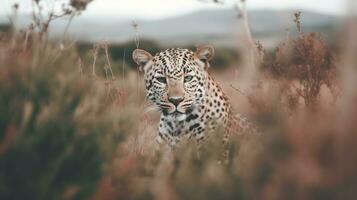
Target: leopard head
x,y
175,78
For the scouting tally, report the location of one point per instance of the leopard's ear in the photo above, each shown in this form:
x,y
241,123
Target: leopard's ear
x,y
205,53
141,58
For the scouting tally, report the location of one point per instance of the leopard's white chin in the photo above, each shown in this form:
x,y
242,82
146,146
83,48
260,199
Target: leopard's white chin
x,y
181,117
177,116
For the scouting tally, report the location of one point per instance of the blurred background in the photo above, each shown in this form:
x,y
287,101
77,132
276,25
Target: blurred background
x,y
185,23
74,123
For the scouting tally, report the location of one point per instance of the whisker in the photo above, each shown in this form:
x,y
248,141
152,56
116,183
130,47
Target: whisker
x,y
149,109
186,103
165,106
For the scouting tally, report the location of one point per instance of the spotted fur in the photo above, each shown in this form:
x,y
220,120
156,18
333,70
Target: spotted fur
x,y
191,102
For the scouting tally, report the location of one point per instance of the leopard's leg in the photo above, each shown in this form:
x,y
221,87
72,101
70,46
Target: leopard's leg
x,y
164,141
159,139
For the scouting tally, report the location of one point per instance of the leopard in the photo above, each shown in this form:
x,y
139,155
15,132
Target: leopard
x,y
191,103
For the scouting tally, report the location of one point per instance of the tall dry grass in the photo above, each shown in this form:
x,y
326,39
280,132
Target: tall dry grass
x,y
70,128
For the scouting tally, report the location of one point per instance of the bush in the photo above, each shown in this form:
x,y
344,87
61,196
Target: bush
x,y
50,138
307,60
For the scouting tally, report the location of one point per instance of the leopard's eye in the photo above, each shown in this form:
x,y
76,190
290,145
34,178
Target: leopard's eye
x,y
188,78
161,79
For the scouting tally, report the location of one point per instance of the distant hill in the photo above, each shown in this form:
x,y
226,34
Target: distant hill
x,y
220,27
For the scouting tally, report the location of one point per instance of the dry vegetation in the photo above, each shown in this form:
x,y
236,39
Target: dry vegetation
x,y
70,128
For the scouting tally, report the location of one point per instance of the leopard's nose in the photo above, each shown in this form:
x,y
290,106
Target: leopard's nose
x,y
176,100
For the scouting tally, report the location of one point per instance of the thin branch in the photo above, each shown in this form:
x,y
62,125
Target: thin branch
x,y
238,90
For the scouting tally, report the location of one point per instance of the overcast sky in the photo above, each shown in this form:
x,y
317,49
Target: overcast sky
x,y
155,9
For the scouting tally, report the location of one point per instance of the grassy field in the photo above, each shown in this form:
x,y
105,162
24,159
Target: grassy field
x,y
74,124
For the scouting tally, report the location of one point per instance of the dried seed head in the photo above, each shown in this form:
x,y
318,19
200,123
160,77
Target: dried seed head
x,y
16,6
80,5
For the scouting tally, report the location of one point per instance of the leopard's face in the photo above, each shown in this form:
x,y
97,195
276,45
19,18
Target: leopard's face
x,y
174,78
174,81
